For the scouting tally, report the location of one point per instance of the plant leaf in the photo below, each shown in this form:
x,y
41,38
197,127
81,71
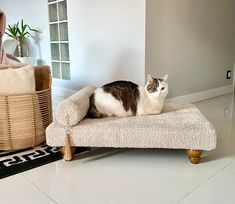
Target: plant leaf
x,y
22,24
12,32
32,29
10,35
20,30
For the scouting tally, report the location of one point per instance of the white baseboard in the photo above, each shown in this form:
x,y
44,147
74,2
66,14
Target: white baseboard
x,y
60,94
202,95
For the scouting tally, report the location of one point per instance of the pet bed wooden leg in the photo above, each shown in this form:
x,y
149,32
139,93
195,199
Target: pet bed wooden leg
x,y
68,156
67,150
194,156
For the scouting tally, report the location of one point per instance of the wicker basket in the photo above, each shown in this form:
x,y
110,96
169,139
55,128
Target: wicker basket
x,y
24,117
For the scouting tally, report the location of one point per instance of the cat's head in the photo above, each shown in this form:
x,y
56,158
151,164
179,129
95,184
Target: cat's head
x,y
157,87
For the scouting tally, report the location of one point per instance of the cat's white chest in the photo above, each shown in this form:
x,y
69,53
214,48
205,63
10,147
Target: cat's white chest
x,y
147,106
154,107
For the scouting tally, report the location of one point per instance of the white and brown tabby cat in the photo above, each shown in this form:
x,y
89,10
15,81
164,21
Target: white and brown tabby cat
x,y
125,98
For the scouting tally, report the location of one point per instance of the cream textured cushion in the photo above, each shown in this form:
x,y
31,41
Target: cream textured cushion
x,y
21,80
180,126
75,107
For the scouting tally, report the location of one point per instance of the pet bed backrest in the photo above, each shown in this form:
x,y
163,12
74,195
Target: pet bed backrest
x,y
74,109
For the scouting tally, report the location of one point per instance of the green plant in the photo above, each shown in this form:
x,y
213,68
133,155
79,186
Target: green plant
x,y
19,32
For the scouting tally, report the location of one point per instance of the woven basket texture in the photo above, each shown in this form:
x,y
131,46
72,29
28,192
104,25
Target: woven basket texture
x,y
24,117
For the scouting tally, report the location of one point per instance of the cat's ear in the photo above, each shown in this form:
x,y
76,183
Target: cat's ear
x,y
149,78
165,78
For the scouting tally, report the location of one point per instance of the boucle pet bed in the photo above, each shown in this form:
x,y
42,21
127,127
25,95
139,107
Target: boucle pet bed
x,y
180,126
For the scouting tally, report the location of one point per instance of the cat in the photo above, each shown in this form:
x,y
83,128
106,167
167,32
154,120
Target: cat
x,y
125,98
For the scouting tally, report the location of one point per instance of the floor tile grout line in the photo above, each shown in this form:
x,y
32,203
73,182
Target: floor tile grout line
x,y
206,181
39,189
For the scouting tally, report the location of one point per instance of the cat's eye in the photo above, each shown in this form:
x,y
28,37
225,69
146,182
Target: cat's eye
x,y
162,88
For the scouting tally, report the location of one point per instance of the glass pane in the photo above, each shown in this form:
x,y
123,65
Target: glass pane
x,y
56,69
64,48
64,32
62,10
53,12
65,71
55,52
54,32
51,1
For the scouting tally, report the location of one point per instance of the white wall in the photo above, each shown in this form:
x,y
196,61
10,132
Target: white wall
x,y
107,38
193,41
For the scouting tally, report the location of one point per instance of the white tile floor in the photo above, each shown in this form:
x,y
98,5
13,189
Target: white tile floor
x,y
137,176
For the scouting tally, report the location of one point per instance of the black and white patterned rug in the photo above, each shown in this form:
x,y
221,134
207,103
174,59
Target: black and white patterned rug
x,y
13,162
